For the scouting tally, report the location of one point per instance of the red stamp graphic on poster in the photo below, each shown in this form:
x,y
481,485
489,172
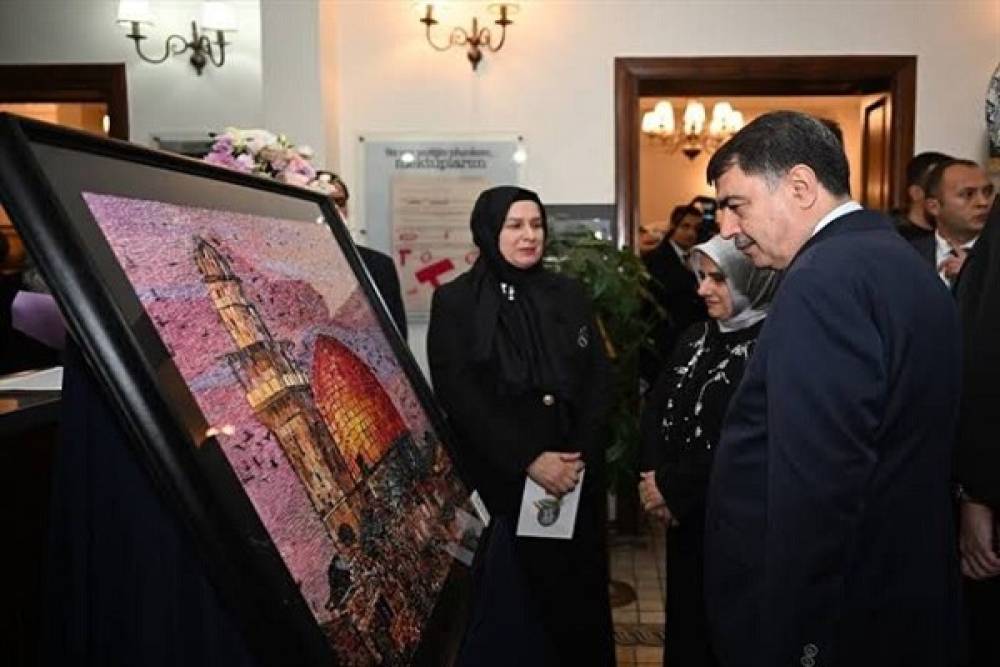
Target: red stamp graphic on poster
x,y
431,240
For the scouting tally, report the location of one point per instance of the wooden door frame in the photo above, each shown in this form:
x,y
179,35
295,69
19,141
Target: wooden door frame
x,y
97,82
756,75
866,123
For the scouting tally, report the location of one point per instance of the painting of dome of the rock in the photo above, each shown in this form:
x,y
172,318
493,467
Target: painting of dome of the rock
x,y
280,346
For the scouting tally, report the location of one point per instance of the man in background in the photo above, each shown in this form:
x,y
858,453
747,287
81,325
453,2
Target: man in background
x,y
914,222
674,287
651,235
959,196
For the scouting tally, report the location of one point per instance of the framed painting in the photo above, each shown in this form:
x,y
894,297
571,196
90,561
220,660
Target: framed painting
x,y
265,388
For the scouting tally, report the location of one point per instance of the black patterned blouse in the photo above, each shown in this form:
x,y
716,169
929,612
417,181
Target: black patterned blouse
x,y
683,414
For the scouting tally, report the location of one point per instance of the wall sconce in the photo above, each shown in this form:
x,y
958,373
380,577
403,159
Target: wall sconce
x,y
216,16
696,136
476,39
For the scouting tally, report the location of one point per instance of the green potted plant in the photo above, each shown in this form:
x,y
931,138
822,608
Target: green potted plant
x,y
618,284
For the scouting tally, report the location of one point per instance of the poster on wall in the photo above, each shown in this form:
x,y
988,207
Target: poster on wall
x,y
280,412
418,195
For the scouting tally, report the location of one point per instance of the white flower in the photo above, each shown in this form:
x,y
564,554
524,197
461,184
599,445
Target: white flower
x,y
257,140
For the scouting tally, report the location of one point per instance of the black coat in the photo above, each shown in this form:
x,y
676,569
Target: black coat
x,y
977,453
682,418
908,230
680,433
501,435
386,280
829,529
565,582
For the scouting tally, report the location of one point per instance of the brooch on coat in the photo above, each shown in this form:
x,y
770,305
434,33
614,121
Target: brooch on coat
x,y
583,336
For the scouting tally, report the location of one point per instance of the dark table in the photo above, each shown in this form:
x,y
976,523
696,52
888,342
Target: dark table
x,y
29,430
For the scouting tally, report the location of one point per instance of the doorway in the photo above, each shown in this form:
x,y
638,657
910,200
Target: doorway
x,y
86,97
887,84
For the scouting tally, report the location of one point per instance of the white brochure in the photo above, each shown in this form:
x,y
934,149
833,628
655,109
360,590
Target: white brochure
x,y
544,515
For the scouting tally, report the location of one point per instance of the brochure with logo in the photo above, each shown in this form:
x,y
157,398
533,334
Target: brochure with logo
x,y
544,515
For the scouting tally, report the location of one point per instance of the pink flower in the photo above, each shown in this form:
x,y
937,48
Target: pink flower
x,y
299,166
244,162
222,160
293,178
264,153
223,144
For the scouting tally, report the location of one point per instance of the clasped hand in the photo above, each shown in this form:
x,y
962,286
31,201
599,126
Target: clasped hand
x,y
651,498
977,541
557,472
952,265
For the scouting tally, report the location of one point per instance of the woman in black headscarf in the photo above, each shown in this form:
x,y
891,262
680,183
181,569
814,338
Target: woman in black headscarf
x,y
519,367
681,424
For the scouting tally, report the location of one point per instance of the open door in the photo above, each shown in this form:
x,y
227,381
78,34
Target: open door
x,y
889,130
86,97
876,133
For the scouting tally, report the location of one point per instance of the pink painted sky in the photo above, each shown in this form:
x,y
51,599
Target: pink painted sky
x,y
302,285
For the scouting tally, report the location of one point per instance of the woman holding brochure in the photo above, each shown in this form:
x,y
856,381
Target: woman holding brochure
x,y
681,425
518,365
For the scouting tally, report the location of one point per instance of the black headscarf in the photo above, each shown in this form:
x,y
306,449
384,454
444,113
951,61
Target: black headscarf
x,y
514,331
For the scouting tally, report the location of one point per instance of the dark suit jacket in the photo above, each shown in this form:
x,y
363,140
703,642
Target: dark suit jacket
x,y
386,280
977,454
501,435
829,532
676,290
926,245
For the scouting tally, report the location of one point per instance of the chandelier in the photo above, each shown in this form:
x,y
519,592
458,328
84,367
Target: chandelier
x,y
695,135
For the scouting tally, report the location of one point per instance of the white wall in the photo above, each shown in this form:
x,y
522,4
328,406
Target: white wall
x,y
169,96
553,81
292,91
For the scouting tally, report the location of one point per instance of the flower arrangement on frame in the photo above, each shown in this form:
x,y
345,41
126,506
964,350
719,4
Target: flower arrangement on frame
x,y
256,151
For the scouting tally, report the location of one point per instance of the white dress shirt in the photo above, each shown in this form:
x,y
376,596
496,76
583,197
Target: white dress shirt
x,y
842,210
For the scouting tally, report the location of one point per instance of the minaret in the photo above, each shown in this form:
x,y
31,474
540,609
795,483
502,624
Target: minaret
x,y
275,388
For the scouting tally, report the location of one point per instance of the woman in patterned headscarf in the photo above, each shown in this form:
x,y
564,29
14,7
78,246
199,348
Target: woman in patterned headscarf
x,y
681,423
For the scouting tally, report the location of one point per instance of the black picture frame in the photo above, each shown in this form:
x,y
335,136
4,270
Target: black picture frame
x,y
44,170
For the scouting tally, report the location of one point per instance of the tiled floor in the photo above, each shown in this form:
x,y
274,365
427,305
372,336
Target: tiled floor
x,y
640,562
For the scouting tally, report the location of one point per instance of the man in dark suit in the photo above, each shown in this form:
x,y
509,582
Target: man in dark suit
x,y
959,195
914,222
977,452
674,287
829,532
